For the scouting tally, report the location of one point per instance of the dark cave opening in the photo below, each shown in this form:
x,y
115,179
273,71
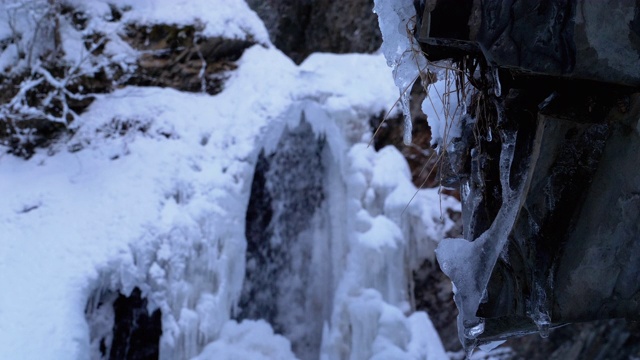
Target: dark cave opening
x,y
136,333
121,327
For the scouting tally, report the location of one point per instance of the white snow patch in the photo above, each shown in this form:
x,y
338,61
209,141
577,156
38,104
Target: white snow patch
x,y
249,340
444,110
231,19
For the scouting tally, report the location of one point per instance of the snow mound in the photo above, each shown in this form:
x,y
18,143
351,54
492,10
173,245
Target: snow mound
x,y
249,340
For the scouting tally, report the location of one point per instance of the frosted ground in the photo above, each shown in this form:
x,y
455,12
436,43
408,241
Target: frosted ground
x,y
164,209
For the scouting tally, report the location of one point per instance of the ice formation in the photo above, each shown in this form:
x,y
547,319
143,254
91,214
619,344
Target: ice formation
x,y
397,20
444,105
151,193
468,262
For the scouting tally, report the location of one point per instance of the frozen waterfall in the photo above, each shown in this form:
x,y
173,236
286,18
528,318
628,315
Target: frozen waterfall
x,y
174,195
255,223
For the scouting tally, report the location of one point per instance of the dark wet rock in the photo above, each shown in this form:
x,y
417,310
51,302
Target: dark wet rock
x,y
601,340
597,40
122,327
136,332
570,89
299,28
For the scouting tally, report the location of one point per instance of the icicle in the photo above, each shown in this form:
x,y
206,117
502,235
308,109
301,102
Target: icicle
x,y
403,55
486,347
543,323
543,328
485,296
473,332
540,312
465,189
469,264
489,135
408,125
547,101
497,90
469,347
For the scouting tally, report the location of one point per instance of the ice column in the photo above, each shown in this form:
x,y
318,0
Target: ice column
x,y
469,264
403,54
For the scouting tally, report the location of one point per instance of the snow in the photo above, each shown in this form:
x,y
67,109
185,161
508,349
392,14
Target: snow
x,y
423,345
249,340
151,192
444,110
443,106
232,19
19,19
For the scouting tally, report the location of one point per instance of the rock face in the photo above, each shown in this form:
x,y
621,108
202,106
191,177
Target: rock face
x,y
299,28
181,58
563,76
589,40
601,340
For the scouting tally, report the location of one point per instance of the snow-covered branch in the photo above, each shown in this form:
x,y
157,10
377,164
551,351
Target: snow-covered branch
x,y
49,80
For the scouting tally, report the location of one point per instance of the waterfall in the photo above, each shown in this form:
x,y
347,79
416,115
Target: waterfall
x,y
287,241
